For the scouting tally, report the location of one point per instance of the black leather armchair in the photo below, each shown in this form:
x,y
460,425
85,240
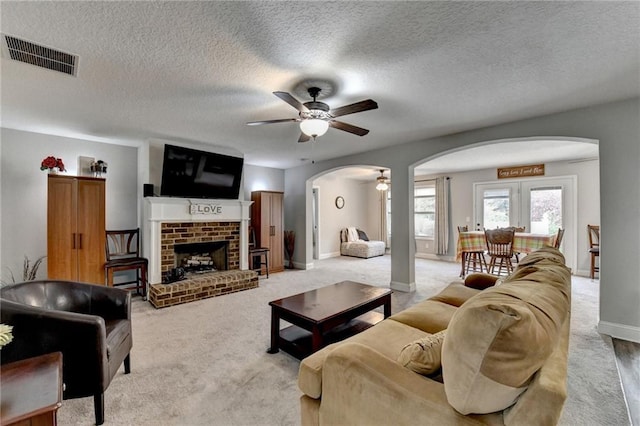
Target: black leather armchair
x,y
89,324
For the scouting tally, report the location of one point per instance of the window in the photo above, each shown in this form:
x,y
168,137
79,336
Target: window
x,y
424,199
546,209
496,208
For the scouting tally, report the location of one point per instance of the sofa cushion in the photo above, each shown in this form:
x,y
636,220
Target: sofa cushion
x,y
387,337
423,355
429,316
455,294
499,339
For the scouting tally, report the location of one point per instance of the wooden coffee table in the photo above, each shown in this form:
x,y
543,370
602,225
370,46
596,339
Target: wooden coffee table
x,y
325,315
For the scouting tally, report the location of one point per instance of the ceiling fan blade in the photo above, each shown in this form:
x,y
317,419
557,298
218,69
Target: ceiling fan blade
x,y
353,108
348,128
291,101
304,138
282,120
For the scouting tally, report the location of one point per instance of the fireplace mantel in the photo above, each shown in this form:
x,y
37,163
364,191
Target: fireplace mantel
x,y
158,210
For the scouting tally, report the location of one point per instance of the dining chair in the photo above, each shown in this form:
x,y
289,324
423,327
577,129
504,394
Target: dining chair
x,y
471,259
594,248
558,240
500,247
123,254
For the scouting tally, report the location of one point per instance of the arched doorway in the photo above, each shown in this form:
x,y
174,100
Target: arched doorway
x,y
474,181
343,197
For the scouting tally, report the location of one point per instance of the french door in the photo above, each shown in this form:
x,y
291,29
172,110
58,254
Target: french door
x,y
541,205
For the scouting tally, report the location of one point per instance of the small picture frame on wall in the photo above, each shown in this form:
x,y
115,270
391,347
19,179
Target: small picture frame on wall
x,y
339,202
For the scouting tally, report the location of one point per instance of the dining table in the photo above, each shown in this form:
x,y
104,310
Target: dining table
x,y
523,242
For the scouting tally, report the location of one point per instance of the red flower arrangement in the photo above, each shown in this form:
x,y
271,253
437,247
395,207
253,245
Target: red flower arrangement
x,y
51,163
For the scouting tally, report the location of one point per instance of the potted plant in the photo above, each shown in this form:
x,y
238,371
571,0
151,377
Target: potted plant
x,y
98,168
52,164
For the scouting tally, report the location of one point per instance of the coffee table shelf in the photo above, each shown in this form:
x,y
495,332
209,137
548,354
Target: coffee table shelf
x,y
297,341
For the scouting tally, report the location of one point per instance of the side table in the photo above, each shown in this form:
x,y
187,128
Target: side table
x,y
31,391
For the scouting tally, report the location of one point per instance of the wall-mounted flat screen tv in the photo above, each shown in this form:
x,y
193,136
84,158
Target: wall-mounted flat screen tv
x,y
190,173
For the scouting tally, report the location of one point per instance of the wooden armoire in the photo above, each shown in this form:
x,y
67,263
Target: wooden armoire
x,y
76,228
267,219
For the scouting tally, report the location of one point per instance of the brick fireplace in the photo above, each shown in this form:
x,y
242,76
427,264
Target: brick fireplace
x,y
172,223
177,234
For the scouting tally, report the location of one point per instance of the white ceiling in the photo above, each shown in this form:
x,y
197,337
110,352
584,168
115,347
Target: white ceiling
x,y
198,71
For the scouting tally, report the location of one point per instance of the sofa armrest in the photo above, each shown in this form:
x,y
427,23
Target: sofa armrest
x,y
362,386
543,401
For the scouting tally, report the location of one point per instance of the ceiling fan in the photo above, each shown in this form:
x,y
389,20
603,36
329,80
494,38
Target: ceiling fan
x,y
316,117
383,182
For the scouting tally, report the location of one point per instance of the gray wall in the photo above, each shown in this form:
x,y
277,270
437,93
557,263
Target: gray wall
x,y
23,229
614,125
261,179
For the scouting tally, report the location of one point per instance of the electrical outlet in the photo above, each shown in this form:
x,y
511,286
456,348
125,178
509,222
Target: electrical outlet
x,y
426,245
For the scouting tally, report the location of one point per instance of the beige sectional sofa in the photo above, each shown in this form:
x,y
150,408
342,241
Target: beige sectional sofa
x,y
502,358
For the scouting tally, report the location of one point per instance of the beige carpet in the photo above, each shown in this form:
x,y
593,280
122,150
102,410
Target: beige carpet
x,y
205,363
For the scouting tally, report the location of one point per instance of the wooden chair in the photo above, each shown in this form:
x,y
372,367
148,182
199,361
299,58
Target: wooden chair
x,y
123,254
559,236
500,247
258,256
594,248
472,259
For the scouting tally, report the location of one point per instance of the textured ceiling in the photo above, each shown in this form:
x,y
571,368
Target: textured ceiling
x,y
198,71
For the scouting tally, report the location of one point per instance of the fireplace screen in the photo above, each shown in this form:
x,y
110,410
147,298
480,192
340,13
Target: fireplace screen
x,y
202,257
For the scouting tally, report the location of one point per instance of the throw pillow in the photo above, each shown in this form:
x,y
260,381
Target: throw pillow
x,y
480,281
362,235
352,234
423,355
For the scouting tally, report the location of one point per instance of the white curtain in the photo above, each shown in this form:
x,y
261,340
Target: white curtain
x,y
383,218
442,215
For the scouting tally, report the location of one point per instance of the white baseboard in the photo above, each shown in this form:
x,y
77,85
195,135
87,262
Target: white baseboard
x,y
304,266
583,273
329,255
404,287
431,256
620,331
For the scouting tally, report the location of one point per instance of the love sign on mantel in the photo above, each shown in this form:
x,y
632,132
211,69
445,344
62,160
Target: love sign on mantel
x,y
521,171
205,208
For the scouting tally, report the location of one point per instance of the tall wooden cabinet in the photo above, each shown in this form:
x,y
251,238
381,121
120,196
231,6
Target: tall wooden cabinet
x,y
267,219
76,228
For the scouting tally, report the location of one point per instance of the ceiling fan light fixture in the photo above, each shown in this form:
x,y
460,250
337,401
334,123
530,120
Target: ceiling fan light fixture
x,y
383,182
314,127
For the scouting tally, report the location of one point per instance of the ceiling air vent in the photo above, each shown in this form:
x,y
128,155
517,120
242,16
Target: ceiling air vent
x,y
41,56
